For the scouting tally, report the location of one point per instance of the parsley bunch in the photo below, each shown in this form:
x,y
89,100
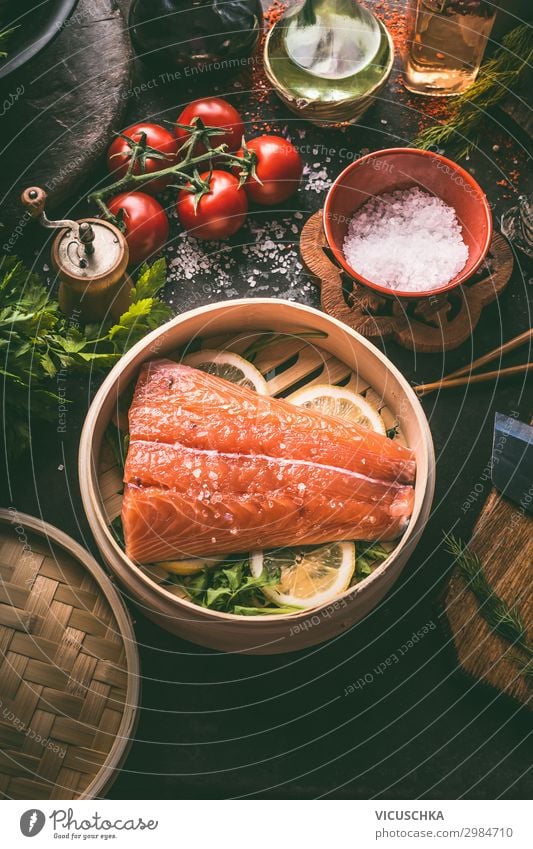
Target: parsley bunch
x,y
38,343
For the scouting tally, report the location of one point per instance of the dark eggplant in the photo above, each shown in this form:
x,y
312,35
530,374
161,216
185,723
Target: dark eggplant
x,y
204,35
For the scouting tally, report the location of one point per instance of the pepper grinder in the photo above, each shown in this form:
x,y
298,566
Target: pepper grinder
x,y
90,258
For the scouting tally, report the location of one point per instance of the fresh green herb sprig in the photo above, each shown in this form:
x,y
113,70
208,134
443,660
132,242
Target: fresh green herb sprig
x,y
497,77
39,346
368,556
503,619
231,588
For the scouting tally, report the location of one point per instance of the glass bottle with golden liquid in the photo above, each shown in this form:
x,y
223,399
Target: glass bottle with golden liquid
x,y
324,56
446,43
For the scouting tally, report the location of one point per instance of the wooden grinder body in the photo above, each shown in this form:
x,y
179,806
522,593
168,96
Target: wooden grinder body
x,y
102,288
90,258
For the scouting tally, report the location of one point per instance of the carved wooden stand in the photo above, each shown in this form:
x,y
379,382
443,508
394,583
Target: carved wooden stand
x,y
436,323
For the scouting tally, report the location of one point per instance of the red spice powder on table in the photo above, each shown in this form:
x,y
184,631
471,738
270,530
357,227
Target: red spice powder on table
x,y
258,82
394,19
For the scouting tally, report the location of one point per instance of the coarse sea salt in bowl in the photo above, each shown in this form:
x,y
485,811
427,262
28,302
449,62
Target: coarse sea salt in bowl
x,y
407,223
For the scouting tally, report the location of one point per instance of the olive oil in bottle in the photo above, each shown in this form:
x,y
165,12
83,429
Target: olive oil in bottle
x,y
323,55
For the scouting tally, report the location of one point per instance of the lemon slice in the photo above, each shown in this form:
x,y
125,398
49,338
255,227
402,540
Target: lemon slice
x,y
339,402
230,367
187,567
309,576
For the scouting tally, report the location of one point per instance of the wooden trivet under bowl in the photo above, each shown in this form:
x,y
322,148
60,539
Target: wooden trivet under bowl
x,y
428,325
503,542
69,667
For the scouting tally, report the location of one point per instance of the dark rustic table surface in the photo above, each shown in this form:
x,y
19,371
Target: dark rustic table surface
x,y
221,725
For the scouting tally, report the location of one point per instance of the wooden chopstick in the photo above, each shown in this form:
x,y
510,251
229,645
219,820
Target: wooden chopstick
x,y
492,355
446,383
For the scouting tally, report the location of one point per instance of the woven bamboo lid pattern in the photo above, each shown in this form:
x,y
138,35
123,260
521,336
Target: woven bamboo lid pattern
x,y
69,669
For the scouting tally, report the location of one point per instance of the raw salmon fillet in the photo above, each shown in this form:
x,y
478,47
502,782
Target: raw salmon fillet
x,y
176,403
213,468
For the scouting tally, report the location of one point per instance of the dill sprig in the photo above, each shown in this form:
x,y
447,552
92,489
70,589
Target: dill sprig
x,y
496,78
504,620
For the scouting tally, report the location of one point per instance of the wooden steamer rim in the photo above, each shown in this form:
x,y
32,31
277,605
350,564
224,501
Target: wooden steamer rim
x,y
49,654
261,315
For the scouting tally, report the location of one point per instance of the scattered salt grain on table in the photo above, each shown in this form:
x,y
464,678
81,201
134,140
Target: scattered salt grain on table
x,y
407,240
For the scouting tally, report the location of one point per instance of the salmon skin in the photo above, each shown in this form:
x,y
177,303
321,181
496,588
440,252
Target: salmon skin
x,y
214,468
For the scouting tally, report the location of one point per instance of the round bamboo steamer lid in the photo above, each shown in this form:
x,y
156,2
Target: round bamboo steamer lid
x,y
344,354
69,667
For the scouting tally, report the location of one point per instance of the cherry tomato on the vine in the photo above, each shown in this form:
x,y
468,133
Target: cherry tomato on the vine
x,y
214,112
219,213
279,167
119,155
145,221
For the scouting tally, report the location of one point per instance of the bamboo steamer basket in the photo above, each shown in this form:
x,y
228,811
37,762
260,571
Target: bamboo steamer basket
x,y
69,667
343,354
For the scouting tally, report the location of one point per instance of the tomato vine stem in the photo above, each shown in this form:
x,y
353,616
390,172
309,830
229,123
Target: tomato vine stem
x,y
184,173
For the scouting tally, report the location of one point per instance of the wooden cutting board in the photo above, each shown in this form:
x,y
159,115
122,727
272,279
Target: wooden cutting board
x,y
503,541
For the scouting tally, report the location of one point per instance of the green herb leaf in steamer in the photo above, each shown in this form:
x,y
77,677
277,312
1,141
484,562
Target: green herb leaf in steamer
x,y
90,257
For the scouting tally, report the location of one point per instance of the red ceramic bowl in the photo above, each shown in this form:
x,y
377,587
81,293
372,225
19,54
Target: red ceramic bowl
x,y
402,168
